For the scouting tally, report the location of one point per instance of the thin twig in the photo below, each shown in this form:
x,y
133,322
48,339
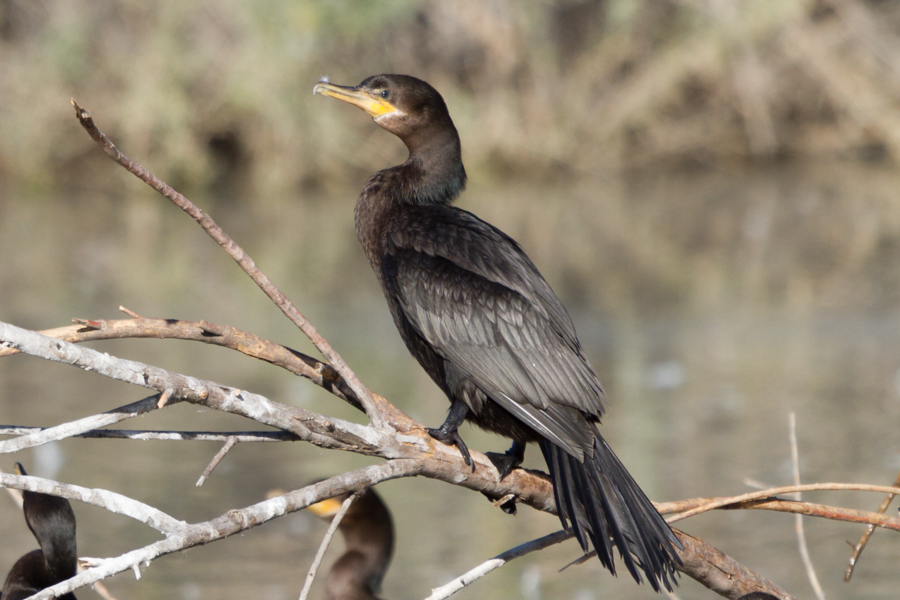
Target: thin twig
x,y
822,511
798,519
448,589
320,373
97,586
178,436
163,398
864,538
241,258
127,311
216,460
326,541
702,505
59,432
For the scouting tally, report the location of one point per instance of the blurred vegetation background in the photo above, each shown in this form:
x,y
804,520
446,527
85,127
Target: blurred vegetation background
x,y
633,97
218,91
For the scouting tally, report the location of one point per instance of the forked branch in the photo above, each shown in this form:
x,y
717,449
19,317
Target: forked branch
x,y
246,263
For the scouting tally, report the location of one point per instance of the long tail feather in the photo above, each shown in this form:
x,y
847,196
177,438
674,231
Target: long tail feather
x,y
602,503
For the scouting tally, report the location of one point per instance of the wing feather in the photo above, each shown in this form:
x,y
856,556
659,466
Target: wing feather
x,y
472,293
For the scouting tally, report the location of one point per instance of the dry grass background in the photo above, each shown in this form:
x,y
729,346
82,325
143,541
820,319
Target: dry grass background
x,y
217,92
215,97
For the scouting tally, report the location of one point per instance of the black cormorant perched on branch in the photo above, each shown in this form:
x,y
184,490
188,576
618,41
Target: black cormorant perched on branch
x,y
369,544
52,522
482,321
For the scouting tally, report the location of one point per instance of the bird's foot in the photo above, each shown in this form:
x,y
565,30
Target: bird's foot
x,y
507,462
452,438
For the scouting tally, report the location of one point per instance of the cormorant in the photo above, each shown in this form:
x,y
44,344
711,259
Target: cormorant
x,y
481,320
369,540
52,522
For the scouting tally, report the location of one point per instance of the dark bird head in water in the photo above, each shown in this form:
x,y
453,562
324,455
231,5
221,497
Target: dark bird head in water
x,y
368,533
52,522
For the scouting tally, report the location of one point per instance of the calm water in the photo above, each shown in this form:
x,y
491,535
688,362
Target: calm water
x,y
712,306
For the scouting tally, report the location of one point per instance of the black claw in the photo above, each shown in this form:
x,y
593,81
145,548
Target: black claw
x,y
448,432
507,462
504,463
453,439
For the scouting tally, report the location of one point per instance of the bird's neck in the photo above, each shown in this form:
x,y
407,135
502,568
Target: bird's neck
x,y
372,543
432,175
61,557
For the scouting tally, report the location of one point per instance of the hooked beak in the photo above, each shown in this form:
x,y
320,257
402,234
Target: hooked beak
x,y
325,508
374,106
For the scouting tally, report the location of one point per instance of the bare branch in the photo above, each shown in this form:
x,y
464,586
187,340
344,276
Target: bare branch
x,y
111,501
233,522
720,573
178,436
229,444
823,511
864,538
707,565
700,505
241,258
51,434
320,373
448,589
327,433
188,388
409,440
798,518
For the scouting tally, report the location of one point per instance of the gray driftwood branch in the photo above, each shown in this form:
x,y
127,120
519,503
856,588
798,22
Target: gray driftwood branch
x,y
404,442
180,535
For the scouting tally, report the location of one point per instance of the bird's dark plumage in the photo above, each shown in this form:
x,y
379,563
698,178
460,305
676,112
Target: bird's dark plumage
x,y
482,321
368,533
52,522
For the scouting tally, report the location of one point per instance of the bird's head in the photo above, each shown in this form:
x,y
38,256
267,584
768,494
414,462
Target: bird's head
x,y
405,106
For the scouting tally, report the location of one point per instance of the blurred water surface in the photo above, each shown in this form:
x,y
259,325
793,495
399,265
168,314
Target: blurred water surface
x,y
712,304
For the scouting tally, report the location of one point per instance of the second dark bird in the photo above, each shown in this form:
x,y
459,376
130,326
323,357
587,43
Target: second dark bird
x,y
368,534
52,522
481,320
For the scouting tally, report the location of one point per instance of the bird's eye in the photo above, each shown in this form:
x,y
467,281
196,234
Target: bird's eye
x,y
385,94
